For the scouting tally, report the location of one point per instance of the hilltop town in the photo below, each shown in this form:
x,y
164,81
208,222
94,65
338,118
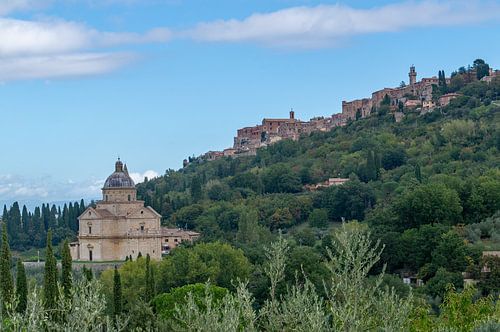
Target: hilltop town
x,y
420,96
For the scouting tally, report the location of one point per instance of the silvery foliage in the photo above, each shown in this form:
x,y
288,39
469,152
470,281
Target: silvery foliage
x,y
234,313
300,308
355,305
352,304
84,311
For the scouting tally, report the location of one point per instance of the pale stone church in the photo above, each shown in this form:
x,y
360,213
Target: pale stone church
x,y
119,225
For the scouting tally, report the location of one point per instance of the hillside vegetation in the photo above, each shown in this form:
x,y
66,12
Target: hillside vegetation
x,y
428,188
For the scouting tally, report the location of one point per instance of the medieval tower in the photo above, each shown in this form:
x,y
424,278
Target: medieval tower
x,y
413,75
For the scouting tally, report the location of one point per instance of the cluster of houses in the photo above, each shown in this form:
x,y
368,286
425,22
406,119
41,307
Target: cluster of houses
x,y
249,139
416,95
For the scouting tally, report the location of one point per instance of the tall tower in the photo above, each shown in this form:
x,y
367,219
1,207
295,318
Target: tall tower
x,y
413,75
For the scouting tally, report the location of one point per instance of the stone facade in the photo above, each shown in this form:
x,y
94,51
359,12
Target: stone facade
x,y
119,225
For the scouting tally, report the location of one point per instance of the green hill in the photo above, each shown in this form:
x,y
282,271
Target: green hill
x,y
415,183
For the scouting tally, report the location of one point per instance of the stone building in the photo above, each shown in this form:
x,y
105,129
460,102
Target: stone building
x,y
172,237
119,225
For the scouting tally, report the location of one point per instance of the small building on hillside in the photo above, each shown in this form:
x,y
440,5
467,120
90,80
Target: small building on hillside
x,y
444,100
172,237
325,184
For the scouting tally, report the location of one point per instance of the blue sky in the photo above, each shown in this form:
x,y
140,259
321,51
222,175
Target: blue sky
x,y
83,81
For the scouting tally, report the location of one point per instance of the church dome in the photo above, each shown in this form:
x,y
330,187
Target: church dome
x,y
120,178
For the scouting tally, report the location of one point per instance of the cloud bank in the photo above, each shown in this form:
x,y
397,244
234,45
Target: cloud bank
x,y
327,25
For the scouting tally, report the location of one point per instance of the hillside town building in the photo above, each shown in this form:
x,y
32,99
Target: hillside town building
x,y
119,225
413,95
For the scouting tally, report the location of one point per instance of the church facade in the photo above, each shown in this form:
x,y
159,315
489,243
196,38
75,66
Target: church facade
x,y
119,225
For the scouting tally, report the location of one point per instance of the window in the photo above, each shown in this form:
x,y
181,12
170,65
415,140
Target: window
x,y
90,255
90,229
166,240
129,198
142,228
175,240
106,198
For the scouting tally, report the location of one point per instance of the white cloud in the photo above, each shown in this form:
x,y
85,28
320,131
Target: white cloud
x,y
57,48
138,177
59,66
22,37
326,25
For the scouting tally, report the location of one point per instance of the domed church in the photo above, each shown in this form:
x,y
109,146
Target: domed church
x,y
119,225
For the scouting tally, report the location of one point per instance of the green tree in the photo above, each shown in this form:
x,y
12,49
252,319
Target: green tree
x,y
482,68
218,262
418,173
451,253
117,293
280,178
50,290
318,218
66,270
21,288
348,201
428,204
419,244
196,190
6,281
165,303
393,158
281,218
438,285
149,280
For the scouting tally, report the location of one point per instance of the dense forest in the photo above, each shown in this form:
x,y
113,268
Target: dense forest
x,y
422,201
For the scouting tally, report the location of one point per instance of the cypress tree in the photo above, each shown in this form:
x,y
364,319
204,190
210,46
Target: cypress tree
x,y
66,277
21,288
139,255
418,174
149,280
25,220
196,191
50,277
117,293
6,282
372,170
